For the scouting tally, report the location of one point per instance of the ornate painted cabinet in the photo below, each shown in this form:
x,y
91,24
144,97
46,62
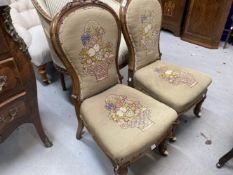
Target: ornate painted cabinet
x,y
18,93
173,12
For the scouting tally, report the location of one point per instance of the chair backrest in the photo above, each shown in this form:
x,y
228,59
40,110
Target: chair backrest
x,y
86,36
42,9
55,6
24,17
24,14
141,21
46,10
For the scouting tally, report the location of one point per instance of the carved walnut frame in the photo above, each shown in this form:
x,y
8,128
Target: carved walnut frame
x,y
42,12
131,68
70,7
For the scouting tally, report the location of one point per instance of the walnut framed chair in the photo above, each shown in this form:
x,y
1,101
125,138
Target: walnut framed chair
x,y
178,87
48,10
123,121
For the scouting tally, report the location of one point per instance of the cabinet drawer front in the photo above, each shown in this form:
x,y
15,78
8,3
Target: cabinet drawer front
x,y
11,112
3,44
10,82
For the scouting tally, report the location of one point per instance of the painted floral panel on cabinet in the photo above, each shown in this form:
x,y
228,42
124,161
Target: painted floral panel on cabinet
x,y
173,12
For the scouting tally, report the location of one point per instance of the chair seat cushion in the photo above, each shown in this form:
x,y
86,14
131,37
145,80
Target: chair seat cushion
x,y
178,87
39,48
125,122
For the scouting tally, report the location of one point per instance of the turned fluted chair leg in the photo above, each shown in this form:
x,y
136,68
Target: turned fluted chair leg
x,y
228,37
163,148
80,129
63,83
197,109
121,170
43,74
173,131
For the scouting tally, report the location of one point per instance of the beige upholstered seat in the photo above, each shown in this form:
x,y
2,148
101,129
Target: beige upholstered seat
x,y
123,144
123,121
178,96
178,87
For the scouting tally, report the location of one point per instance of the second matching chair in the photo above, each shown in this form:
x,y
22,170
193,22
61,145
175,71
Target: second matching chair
x,y
123,121
178,87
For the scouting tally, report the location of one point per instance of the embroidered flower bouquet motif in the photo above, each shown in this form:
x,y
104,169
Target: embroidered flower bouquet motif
x,y
176,77
148,31
96,54
127,113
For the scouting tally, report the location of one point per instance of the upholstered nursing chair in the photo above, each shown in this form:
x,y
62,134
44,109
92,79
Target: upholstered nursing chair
x,y
27,24
123,121
48,9
178,87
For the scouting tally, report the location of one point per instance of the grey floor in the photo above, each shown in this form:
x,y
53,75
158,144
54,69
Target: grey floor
x,y
23,153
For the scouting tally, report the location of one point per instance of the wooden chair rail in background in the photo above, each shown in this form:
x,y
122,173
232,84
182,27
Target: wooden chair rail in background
x,y
225,158
230,33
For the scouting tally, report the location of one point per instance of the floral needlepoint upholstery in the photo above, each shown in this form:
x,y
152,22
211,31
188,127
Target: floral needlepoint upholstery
x,y
143,27
148,32
96,55
128,113
173,85
125,140
176,77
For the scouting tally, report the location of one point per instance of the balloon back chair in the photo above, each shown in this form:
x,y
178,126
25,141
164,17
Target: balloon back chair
x,y
178,87
123,121
47,10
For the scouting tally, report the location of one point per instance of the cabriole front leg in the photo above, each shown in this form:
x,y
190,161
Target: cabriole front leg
x,y
121,170
173,131
40,130
80,128
197,109
43,74
163,148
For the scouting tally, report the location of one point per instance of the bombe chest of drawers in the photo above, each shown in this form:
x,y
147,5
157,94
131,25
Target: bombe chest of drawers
x,y
18,93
